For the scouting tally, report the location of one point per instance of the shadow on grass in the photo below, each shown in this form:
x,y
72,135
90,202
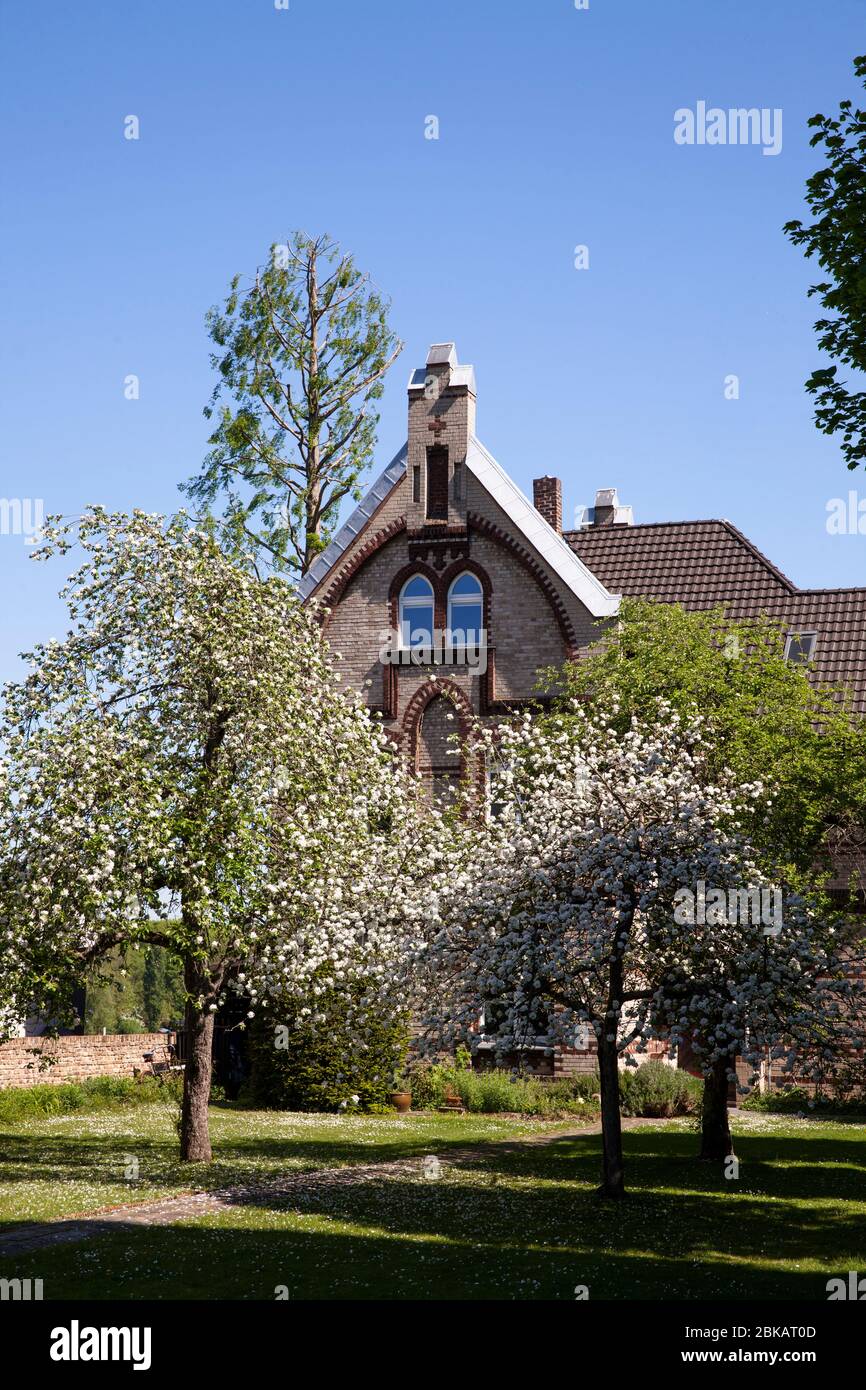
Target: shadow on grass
x,y
25,1158
416,1247
774,1165
521,1222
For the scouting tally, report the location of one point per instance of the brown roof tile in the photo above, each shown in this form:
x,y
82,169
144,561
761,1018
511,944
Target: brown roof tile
x,y
707,564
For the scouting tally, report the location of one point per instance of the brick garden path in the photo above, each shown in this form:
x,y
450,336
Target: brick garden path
x,y
41,1235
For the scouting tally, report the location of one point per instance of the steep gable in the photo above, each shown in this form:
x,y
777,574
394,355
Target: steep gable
x,y
526,522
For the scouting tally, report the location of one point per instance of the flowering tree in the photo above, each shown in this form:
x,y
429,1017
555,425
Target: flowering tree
x,y
183,769
758,711
756,985
565,912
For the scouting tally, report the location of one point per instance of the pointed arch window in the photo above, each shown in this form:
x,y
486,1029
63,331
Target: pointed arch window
x,y
465,611
416,612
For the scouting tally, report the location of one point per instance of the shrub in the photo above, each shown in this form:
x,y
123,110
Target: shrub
x,y
792,1100
657,1091
429,1086
501,1092
318,1066
97,1093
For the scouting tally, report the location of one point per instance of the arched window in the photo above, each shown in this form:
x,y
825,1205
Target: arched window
x,y
416,612
438,757
465,611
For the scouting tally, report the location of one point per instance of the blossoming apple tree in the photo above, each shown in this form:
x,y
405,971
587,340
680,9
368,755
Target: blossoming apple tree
x,y
563,916
184,769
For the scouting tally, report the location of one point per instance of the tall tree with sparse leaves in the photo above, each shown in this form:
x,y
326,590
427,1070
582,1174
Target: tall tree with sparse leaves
x,y
301,356
836,196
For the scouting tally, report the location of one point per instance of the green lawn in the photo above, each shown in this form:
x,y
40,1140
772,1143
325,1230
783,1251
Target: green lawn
x,y
520,1222
68,1164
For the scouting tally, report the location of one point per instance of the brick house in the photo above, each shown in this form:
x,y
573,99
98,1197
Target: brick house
x,y
444,540
445,543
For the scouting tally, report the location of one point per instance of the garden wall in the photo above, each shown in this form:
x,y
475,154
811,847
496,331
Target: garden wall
x,y
76,1058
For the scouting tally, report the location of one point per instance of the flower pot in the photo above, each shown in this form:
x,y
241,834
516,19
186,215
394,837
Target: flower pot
x,y
401,1101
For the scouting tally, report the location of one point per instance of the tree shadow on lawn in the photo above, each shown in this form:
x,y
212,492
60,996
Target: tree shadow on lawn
x,y
771,1165
60,1159
520,1221
728,1222
398,1239
678,1211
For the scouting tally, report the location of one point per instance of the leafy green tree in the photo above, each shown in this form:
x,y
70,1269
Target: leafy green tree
x,y
836,196
322,1060
301,356
134,990
769,722
153,985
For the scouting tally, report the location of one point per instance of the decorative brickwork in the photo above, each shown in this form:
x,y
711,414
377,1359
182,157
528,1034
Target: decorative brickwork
x,y
359,557
532,567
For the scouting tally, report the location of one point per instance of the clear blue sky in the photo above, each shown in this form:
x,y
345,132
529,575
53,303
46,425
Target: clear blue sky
x,y
556,129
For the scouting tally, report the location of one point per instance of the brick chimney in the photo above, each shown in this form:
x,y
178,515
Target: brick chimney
x,y
547,496
441,423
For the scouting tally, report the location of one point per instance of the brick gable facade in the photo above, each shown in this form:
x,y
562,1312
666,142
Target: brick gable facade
x,y
439,520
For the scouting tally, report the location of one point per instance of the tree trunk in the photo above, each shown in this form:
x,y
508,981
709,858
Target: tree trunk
x,y
716,1142
313,480
611,1123
194,1132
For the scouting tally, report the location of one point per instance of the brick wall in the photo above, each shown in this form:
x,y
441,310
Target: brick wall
x,y
547,499
569,1061
114,1054
523,629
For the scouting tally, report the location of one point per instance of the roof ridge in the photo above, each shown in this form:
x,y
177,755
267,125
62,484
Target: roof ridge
x,y
557,554
759,555
837,589
704,521
644,526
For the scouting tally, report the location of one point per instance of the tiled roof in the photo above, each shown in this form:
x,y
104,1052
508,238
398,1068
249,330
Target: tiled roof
x,y
707,564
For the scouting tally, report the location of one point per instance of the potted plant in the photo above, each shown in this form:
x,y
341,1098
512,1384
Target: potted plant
x,y
451,1099
401,1096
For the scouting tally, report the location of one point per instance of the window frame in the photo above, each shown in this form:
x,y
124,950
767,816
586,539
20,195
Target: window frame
x,y
415,601
465,601
791,637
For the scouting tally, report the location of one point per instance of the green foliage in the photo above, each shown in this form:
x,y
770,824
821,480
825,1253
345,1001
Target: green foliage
x,y
463,1058
501,1092
135,991
658,1091
301,357
302,1065
836,196
97,1093
766,721
796,1100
